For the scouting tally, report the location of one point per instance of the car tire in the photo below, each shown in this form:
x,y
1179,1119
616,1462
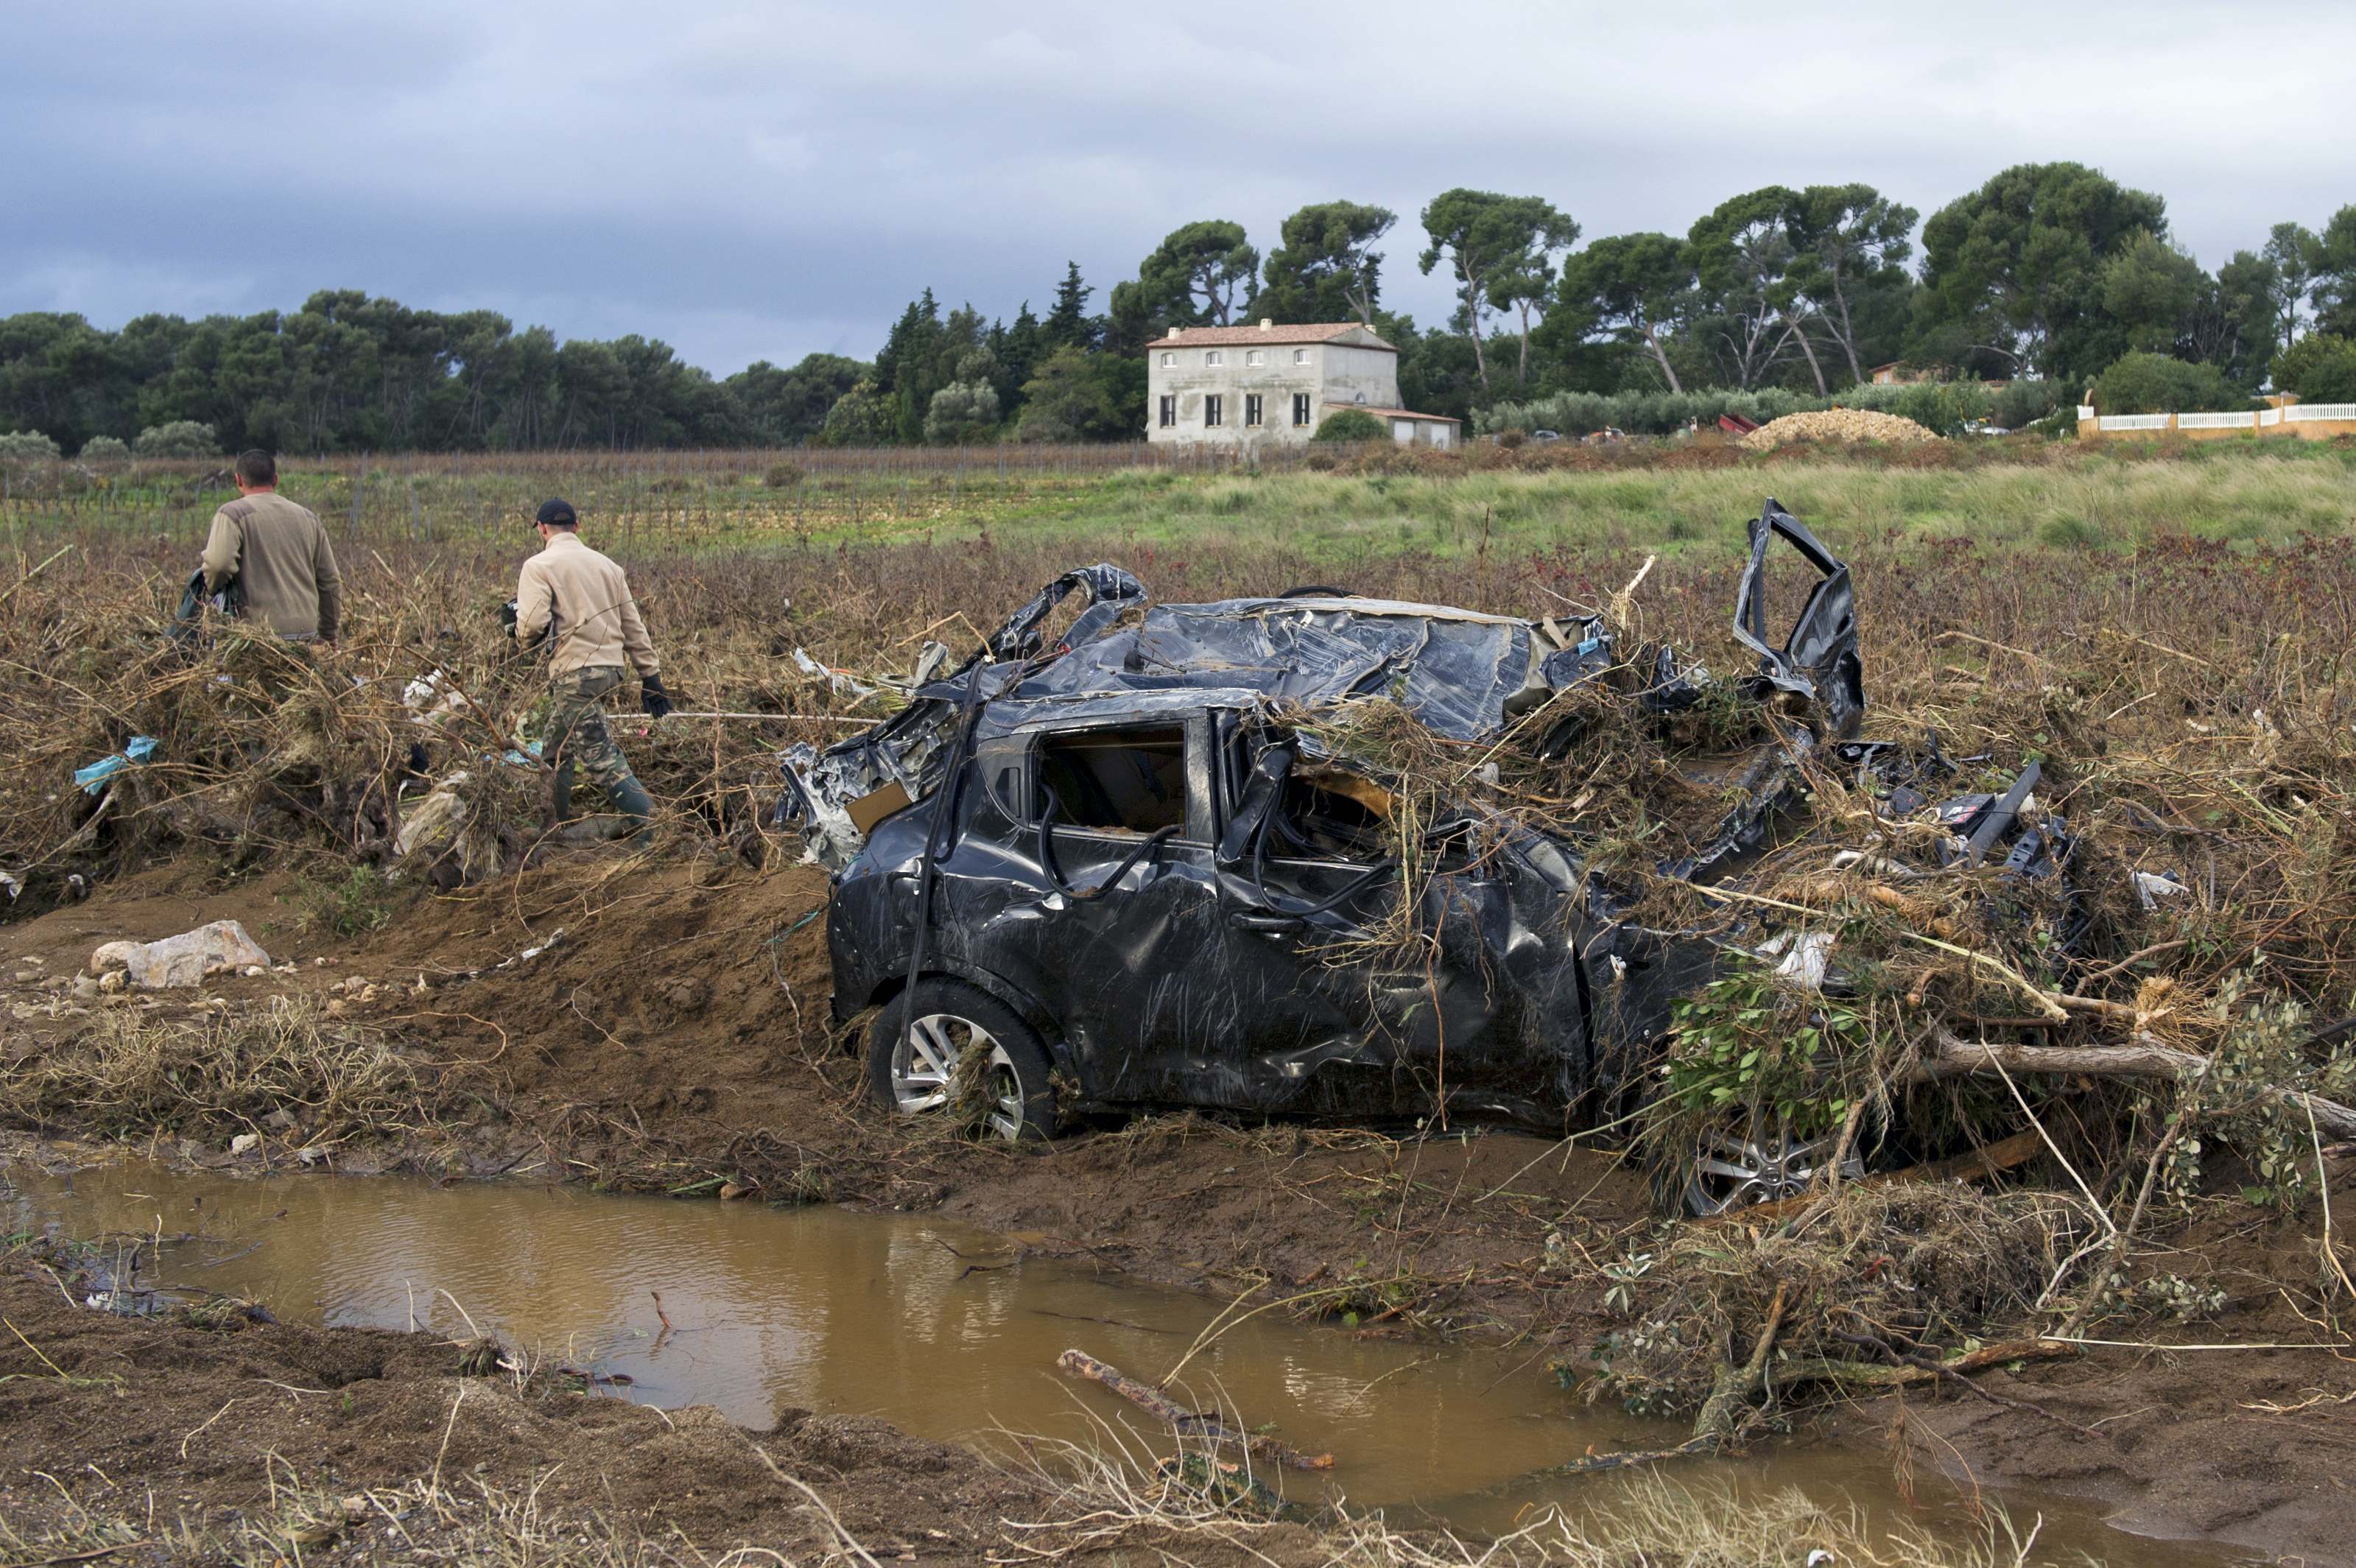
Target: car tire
x,y
1736,1167
914,1046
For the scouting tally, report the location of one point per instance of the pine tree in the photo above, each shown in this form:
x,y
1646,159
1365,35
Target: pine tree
x,y
1068,324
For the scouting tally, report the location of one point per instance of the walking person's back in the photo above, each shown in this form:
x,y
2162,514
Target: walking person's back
x,y
278,554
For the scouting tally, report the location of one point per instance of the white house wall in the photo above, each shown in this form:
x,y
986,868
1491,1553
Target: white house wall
x,y
1369,376
1335,373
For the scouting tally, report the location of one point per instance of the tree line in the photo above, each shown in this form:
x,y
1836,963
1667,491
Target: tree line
x,y
2050,272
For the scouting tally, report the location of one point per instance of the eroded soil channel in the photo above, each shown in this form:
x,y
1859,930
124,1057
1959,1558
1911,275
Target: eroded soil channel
x,y
947,1332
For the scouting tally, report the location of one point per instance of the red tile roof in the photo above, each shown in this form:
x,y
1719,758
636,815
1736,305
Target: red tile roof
x,y
1254,333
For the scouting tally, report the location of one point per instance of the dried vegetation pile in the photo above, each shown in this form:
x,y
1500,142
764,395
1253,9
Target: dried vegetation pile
x,y
1837,424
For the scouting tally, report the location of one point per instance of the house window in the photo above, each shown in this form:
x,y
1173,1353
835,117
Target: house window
x,y
1300,411
1213,357
1300,356
1251,408
1211,411
1168,361
1254,357
1169,412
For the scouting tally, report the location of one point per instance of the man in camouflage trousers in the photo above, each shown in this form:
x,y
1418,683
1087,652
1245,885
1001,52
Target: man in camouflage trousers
x,y
579,599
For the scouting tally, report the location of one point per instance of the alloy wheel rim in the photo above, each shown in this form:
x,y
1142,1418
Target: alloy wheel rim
x,y
1731,1172
925,1060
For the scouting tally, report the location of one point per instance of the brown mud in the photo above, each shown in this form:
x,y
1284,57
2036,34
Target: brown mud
x,y
674,1034
173,1426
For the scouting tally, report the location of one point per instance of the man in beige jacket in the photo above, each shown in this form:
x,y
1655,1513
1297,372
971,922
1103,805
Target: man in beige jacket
x,y
277,554
579,599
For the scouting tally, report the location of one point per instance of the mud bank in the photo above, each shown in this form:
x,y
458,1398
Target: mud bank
x,y
671,1034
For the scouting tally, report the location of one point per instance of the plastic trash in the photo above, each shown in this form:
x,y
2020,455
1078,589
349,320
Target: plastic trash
x,y
94,777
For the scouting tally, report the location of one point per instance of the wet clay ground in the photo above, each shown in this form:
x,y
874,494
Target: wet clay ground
x,y
675,1036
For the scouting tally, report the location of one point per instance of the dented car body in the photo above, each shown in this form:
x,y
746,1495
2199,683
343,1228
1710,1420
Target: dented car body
x,y
1135,840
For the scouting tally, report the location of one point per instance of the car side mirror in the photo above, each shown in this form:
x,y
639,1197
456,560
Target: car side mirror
x,y
1266,782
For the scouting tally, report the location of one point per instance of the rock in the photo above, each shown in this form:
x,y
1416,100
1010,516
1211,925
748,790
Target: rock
x,y
254,970
245,1143
112,982
85,987
183,960
688,995
279,1119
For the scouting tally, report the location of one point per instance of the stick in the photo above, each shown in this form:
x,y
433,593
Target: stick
x,y
1154,1402
774,718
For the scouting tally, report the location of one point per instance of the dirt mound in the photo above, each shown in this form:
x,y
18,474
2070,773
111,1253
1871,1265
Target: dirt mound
x,y
1836,424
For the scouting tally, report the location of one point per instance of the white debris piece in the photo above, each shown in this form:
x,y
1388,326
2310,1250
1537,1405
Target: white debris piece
x,y
2151,889
433,697
245,1143
183,960
434,823
836,680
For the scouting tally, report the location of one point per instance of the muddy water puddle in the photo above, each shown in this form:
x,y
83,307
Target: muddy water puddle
x,y
946,1332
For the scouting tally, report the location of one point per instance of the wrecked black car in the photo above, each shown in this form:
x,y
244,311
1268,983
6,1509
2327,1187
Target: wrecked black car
x,y
1150,862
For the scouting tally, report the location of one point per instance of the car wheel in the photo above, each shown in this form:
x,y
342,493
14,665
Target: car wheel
x,y
915,1049
1758,1165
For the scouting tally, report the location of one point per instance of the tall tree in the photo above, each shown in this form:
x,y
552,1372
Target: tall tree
x,y
2012,272
2294,255
1489,241
1530,277
1068,323
1326,268
2151,290
1847,241
1634,288
1744,256
1198,273
2335,274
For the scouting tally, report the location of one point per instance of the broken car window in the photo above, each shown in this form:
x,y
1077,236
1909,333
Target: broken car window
x,y
1336,816
1131,780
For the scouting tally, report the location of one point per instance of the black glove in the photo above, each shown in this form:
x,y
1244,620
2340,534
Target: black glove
x,y
508,616
652,697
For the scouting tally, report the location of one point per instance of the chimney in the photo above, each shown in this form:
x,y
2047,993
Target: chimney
x,y
1267,324
1173,332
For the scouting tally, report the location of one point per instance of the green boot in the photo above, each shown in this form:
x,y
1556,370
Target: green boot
x,y
630,799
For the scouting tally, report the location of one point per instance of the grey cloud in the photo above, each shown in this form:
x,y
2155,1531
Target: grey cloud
x,y
762,181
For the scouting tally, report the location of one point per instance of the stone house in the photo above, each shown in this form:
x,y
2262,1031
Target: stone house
x,y
1269,385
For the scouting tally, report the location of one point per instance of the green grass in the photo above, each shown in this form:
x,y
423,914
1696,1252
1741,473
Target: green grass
x,y
2082,503
2114,499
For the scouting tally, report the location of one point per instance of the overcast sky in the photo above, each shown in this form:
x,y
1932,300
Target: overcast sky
x,y
762,181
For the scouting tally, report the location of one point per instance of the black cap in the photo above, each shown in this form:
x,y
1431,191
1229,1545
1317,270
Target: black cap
x,y
558,513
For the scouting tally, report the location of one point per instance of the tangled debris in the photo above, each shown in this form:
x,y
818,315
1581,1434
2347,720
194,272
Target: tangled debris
x,y
1555,868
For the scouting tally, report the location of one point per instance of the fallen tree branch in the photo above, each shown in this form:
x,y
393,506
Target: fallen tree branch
x,y
1191,1423
1941,1371
2145,1057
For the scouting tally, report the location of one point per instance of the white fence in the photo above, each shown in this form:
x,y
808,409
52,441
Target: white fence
x,y
2252,420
